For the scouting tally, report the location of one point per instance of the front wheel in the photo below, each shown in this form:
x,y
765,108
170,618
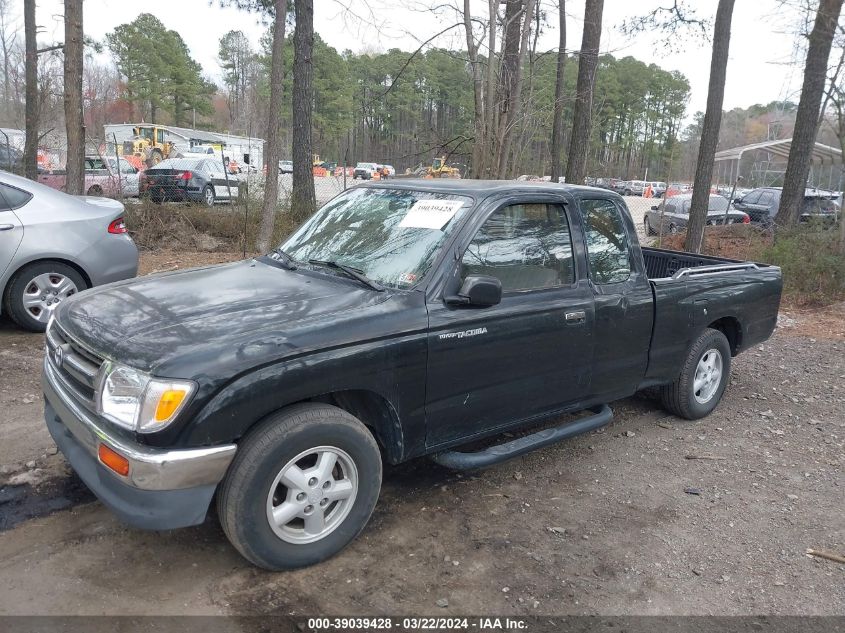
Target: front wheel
x,y
703,378
302,486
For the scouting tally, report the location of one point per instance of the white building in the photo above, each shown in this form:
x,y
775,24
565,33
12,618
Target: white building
x,y
244,150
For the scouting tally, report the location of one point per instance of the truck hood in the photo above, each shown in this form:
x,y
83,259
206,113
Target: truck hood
x,y
146,322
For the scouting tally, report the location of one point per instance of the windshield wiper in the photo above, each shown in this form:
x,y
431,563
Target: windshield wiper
x,y
285,261
352,272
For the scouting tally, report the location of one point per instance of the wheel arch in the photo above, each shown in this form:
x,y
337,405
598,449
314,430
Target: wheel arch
x,y
376,413
731,327
373,410
41,260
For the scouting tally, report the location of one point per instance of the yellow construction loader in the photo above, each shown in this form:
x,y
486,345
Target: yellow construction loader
x,y
147,146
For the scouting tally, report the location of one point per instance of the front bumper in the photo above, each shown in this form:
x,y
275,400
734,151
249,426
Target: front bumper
x,y
164,489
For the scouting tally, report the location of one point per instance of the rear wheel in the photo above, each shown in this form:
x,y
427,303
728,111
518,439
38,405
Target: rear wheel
x,y
673,230
703,378
208,196
302,486
35,291
94,190
648,230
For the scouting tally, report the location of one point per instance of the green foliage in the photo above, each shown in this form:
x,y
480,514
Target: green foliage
x,y
159,71
812,261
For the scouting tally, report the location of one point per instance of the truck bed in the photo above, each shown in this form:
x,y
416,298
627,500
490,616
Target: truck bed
x,y
663,264
693,291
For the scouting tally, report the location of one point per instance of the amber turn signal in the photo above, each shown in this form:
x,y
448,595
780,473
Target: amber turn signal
x,y
114,460
168,403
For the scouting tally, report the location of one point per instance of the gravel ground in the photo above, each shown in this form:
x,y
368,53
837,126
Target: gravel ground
x,y
651,515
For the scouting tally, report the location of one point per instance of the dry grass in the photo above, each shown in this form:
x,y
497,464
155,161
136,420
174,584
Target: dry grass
x,y
176,227
810,256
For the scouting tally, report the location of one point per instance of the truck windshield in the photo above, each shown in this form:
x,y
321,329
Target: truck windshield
x,y
391,235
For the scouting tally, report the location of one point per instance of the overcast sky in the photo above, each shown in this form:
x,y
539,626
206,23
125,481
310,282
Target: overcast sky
x,y
758,69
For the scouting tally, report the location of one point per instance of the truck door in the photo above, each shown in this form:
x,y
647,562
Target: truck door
x,y
490,367
623,299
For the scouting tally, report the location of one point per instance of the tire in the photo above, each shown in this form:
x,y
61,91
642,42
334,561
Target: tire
x,y
155,157
208,196
94,190
253,486
648,230
673,230
681,397
627,192
42,278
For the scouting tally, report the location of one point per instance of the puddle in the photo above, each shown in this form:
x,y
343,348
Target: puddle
x,y
25,501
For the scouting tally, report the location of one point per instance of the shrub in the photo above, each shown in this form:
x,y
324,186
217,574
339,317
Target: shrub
x,y
812,261
191,227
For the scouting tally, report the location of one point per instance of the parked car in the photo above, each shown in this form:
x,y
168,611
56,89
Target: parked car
x,y
620,186
676,188
285,166
403,319
658,189
673,213
762,205
365,171
53,246
101,177
11,158
189,180
634,187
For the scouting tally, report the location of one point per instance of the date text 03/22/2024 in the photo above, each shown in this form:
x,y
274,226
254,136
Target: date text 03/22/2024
x,y
416,624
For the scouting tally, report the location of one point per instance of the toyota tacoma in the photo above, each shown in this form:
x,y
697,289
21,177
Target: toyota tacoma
x,y
401,320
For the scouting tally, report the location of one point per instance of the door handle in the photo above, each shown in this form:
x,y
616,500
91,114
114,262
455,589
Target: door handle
x,y
579,316
6,227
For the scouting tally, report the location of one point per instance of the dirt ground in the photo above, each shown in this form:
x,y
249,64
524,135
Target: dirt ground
x,y
651,515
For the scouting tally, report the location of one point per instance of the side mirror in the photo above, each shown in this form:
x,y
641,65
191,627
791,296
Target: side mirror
x,y
654,207
480,291
736,200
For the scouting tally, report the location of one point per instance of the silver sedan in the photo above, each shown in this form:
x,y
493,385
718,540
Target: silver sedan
x,y
53,245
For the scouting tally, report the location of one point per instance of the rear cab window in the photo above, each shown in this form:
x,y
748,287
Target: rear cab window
x,y
608,248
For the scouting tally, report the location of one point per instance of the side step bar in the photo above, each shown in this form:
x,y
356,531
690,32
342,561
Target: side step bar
x,y
501,452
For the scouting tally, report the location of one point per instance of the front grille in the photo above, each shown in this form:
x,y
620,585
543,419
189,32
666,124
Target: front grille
x,y
77,367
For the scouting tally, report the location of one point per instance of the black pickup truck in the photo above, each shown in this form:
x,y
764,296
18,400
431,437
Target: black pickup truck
x,y
401,320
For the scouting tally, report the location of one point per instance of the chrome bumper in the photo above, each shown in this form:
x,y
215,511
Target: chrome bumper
x,y
149,468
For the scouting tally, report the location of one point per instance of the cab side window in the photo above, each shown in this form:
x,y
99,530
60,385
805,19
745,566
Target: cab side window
x,y
525,246
12,198
608,251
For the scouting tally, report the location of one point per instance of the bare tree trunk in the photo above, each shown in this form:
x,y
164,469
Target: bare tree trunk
x,y
303,203
30,151
513,95
478,89
74,123
807,115
274,124
710,127
489,93
557,121
588,59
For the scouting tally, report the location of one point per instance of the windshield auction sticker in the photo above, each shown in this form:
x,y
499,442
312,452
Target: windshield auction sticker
x,y
431,214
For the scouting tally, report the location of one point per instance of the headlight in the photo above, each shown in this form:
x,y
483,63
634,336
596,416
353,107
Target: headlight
x,y
135,401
